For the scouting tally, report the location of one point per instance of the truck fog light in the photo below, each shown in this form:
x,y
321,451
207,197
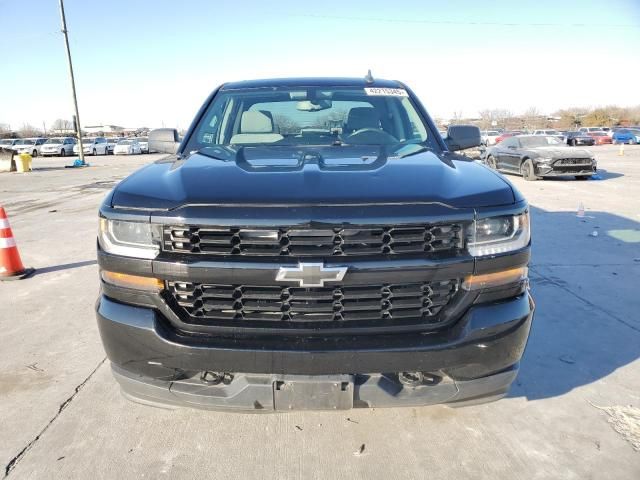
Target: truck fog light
x,y
132,281
495,279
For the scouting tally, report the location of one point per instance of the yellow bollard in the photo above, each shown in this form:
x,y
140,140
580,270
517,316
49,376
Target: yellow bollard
x,y
621,151
23,163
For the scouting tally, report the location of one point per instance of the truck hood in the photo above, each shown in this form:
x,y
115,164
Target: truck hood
x,y
264,176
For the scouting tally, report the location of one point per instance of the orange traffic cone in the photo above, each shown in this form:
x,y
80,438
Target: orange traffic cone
x,y
11,267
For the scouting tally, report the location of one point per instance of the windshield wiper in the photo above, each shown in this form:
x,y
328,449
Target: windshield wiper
x,y
420,149
213,152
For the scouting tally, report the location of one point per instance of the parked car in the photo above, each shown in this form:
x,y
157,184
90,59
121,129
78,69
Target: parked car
x,y
93,146
489,137
32,146
547,132
590,129
9,142
626,135
144,144
538,156
579,138
600,138
504,135
128,146
112,142
257,270
62,146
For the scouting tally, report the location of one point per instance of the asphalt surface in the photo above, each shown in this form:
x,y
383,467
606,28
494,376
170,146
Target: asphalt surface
x,y
61,414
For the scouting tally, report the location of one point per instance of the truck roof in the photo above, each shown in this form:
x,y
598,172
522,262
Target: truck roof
x,y
312,82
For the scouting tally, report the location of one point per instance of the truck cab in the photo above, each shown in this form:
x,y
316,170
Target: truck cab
x,y
314,243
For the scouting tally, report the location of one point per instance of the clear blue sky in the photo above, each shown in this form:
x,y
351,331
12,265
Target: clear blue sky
x,y
153,62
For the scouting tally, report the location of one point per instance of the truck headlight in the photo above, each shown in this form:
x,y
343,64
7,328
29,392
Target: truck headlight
x,y
545,160
130,239
493,235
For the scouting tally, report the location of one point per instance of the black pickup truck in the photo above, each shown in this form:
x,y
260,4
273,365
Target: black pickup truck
x,y
314,243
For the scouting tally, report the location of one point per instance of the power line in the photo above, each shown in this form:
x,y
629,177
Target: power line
x,y
465,23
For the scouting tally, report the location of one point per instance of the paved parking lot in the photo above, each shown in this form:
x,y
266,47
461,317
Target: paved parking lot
x,y
61,414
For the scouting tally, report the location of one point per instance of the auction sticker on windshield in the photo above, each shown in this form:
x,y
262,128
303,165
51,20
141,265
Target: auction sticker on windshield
x,y
387,92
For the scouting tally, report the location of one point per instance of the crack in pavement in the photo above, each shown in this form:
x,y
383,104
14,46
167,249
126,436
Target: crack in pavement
x,y
588,302
15,460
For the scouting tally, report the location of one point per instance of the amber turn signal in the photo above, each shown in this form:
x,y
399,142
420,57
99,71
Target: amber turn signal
x,y
495,279
132,281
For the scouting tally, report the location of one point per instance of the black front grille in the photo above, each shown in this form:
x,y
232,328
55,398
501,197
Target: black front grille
x,y
291,307
573,161
442,240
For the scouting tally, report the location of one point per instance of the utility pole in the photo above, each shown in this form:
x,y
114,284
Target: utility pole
x,y
73,82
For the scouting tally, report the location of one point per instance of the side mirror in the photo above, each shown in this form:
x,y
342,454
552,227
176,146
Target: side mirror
x,y
164,140
461,137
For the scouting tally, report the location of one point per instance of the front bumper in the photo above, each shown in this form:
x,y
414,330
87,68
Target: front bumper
x,y
565,170
473,361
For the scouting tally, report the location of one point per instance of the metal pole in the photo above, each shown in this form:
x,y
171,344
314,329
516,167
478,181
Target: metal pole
x,y
73,82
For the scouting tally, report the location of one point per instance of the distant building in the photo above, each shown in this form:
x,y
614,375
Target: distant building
x,y
62,131
103,129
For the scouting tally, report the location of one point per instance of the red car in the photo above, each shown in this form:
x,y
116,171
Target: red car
x,y
600,138
504,135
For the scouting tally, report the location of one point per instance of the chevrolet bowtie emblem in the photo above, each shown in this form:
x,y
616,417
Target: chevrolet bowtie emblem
x,y
311,274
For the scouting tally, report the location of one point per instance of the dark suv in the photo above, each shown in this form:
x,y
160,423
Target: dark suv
x,y
314,244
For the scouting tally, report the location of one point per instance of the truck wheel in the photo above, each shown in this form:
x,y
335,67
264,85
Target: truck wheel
x,y
527,171
574,142
34,153
63,152
491,162
94,152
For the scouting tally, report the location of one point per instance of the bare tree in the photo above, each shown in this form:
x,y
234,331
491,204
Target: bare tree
x,y
457,117
570,117
28,130
497,117
533,119
285,125
61,124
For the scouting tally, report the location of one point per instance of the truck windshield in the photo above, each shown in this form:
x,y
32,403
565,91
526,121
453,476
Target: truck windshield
x,y
311,116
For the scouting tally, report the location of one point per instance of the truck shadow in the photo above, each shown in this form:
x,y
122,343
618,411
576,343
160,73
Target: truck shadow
x,y
584,275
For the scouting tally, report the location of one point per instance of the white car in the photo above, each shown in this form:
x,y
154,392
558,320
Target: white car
x,y
93,146
489,137
112,142
32,146
9,142
590,129
62,146
552,133
129,146
144,144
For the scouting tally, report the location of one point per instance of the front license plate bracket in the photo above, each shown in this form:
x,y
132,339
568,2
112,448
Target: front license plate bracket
x,y
331,392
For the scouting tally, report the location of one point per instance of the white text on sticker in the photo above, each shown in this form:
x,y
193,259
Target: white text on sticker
x,y
387,92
